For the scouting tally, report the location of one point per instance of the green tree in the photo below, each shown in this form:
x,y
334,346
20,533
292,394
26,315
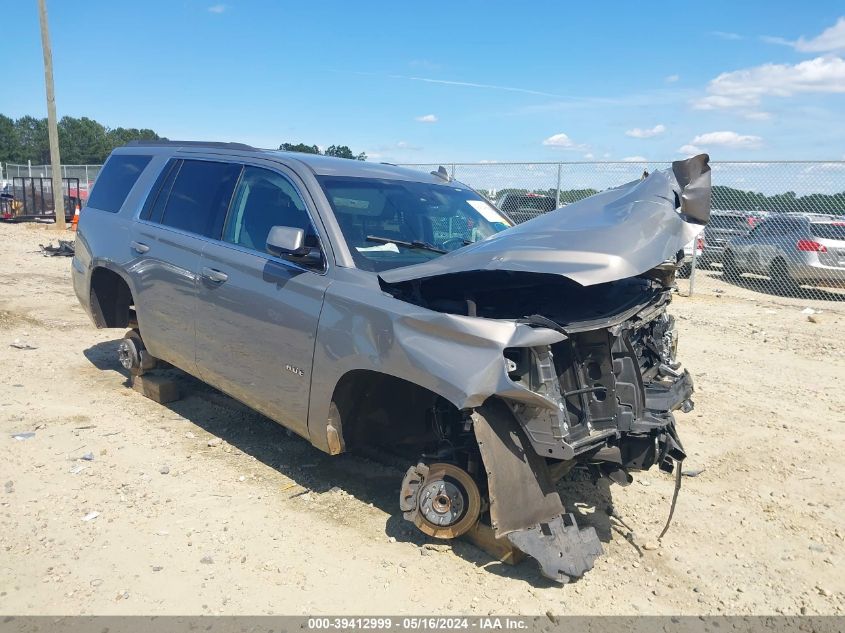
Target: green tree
x,y
338,151
342,151
9,149
120,136
82,141
33,142
300,147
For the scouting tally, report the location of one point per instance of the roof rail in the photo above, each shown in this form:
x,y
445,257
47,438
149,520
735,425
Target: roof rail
x,y
167,143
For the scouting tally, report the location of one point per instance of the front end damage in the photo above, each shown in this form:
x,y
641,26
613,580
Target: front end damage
x,y
598,396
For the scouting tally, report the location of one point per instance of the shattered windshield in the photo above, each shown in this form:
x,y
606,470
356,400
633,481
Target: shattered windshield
x,y
393,223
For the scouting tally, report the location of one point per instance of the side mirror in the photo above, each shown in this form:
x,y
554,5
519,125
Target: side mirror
x,y
287,240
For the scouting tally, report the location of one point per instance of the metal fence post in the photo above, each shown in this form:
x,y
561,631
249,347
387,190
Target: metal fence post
x,y
86,178
29,167
557,189
453,171
692,265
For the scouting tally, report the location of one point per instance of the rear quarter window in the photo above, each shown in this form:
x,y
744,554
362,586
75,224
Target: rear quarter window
x,y
116,180
831,231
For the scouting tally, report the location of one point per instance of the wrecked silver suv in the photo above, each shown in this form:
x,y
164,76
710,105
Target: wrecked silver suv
x,y
365,306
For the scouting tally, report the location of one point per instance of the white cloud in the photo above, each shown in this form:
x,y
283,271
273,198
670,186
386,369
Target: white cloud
x,y
670,79
647,132
726,139
588,156
427,118
560,140
745,88
217,8
635,159
831,39
754,115
690,150
726,35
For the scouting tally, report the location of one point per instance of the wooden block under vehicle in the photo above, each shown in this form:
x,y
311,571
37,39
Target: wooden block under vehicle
x,y
482,536
157,388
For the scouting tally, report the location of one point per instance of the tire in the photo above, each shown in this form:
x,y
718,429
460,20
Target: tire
x,y
729,268
779,275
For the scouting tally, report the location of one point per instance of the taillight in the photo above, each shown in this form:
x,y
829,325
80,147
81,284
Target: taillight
x,y
752,221
811,246
699,244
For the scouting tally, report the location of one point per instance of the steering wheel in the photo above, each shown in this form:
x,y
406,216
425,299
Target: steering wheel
x,y
453,243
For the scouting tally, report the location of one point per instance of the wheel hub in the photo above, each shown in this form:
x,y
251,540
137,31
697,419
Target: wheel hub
x,y
442,503
442,499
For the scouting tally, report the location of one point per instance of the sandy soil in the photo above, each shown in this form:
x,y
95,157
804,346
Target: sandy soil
x,y
264,523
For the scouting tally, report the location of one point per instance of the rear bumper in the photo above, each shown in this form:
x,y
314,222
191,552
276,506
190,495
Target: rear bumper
x,y
818,274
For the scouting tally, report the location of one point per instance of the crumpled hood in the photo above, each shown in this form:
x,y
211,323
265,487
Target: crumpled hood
x,y
612,235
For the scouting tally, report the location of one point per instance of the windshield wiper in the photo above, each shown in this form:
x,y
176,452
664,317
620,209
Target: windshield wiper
x,y
425,246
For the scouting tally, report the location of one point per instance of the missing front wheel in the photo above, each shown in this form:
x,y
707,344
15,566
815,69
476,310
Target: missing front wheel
x,y
442,500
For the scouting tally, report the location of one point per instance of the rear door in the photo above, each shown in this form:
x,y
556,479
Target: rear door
x,y
186,208
256,320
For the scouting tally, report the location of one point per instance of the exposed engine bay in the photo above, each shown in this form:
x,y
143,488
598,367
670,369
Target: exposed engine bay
x,y
607,393
602,401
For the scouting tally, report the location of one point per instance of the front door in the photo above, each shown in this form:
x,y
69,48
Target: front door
x,y
256,318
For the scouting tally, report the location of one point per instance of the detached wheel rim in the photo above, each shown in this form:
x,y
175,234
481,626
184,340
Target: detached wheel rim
x,y
130,351
128,355
449,502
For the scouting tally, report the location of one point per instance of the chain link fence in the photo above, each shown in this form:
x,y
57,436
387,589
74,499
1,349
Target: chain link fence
x,y
86,174
777,228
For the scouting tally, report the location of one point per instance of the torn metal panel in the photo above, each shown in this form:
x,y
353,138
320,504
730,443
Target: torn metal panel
x,y
458,357
563,550
612,235
522,493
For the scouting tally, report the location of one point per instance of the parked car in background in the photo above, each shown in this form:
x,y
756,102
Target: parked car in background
x,y
792,249
685,265
723,226
525,206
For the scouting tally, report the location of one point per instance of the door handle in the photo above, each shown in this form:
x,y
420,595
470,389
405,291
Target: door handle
x,y
139,247
212,274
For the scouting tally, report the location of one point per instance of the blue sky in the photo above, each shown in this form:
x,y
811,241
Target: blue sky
x,y
453,81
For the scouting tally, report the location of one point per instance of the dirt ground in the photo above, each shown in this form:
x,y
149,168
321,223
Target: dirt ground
x,y
263,523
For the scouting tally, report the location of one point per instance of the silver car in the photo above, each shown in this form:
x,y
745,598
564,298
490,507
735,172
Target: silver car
x,y
792,249
365,306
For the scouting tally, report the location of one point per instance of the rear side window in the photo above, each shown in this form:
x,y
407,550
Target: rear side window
x,y
115,181
831,231
199,197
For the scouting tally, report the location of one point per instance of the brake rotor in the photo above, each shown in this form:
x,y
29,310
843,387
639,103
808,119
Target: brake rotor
x,y
448,502
128,354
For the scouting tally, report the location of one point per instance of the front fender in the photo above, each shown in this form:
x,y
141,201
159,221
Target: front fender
x,y
457,357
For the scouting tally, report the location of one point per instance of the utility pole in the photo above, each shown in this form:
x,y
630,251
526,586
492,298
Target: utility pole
x,y
52,126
